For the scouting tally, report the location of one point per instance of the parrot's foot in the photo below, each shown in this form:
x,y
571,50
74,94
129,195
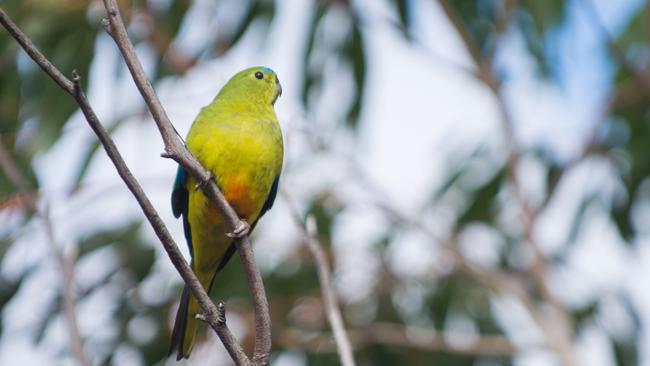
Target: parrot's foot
x,y
242,230
221,314
202,184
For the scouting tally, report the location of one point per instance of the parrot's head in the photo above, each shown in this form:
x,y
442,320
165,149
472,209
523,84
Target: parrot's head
x,y
257,84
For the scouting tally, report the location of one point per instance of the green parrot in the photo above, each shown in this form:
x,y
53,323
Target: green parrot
x,y
238,139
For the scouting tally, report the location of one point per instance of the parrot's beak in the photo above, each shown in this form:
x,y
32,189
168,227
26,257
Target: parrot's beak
x,y
278,88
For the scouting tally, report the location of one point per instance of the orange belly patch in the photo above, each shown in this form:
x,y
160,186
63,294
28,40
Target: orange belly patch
x,y
238,194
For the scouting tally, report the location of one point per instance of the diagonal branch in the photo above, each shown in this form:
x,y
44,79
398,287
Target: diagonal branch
x,y
562,318
640,77
497,279
330,300
329,295
212,314
66,265
175,150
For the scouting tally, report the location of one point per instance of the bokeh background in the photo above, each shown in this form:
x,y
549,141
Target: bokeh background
x,y
478,171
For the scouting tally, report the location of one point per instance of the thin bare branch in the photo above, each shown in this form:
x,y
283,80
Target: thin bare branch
x,y
408,337
561,319
66,264
330,300
211,313
496,279
175,149
329,295
641,77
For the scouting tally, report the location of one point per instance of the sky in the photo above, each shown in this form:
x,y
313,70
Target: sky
x,y
421,110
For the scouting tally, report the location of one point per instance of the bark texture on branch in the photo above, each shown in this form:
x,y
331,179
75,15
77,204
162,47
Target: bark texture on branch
x,y
65,263
212,314
176,150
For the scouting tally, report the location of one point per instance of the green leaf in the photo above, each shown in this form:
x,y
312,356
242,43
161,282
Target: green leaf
x,y
457,168
578,219
311,78
479,20
537,21
404,17
440,302
8,290
91,150
263,10
324,208
584,315
357,58
103,238
626,353
481,207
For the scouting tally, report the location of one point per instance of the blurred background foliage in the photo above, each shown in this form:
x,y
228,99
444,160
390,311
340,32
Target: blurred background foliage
x,y
33,114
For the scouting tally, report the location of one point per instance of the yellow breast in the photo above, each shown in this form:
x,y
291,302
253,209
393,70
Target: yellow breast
x,y
243,152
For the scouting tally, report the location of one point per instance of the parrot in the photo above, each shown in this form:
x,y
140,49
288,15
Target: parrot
x,y
238,139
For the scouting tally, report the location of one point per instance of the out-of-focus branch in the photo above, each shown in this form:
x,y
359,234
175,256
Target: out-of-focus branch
x,y
175,57
330,300
641,77
212,314
496,279
32,51
499,280
175,149
329,295
66,264
408,337
562,319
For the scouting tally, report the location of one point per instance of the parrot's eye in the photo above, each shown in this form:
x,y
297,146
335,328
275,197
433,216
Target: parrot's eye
x,y
259,75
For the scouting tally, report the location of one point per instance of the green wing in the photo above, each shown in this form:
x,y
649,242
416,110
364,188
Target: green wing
x,y
180,204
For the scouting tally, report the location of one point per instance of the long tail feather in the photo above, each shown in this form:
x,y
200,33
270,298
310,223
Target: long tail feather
x,y
186,325
180,327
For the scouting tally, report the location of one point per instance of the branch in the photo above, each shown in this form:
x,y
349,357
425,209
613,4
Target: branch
x,y
212,315
494,278
175,150
66,264
408,337
432,340
395,335
329,295
330,300
639,76
34,53
164,43
538,271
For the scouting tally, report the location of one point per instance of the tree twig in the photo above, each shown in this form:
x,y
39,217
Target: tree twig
x,y
494,278
408,337
639,76
66,264
329,295
175,150
562,319
212,315
330,300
